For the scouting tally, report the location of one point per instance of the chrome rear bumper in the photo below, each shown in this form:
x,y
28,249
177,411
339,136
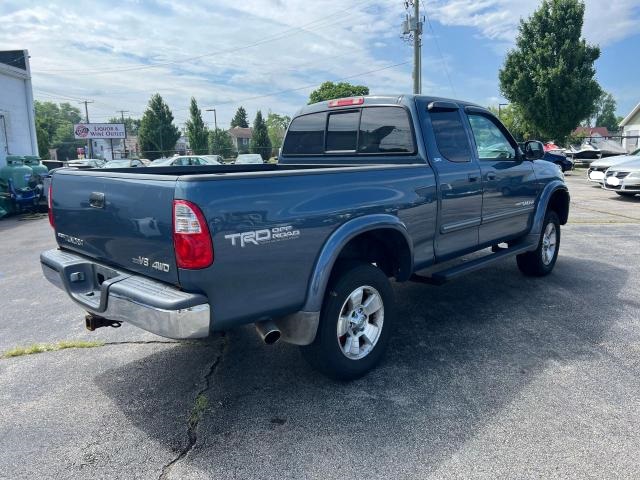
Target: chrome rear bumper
x,y
117,295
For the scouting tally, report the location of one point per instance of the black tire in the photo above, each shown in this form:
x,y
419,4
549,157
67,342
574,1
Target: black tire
x,y
326,354
626,194
533,264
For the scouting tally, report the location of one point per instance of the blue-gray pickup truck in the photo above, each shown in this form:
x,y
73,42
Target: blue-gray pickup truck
x,y
366,189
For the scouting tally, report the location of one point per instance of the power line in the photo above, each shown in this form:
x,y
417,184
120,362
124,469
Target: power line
x,y
444,62
272,38
273,94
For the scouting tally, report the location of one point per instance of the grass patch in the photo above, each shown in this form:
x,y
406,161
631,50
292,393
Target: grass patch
x,y
199,406
51,347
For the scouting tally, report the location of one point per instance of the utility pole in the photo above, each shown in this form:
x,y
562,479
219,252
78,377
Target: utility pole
x,y
124,140
215,119
412,26
86,116
417,46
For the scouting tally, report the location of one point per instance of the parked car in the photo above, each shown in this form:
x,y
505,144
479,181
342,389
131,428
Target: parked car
x,y
86,163
560,159
553,154
183,161
124,163
623,178
249,159
366,189
598,168
214,159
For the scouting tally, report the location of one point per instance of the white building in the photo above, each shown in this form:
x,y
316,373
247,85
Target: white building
x,y
17,116
630,129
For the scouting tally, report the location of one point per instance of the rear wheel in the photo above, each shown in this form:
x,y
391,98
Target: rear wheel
x,y
541,261
355,323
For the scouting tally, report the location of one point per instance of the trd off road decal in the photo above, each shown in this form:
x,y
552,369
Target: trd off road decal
x,y
260,237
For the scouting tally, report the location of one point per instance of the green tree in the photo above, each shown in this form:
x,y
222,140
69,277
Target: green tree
x,y
515,121
260,142
240,118
54,129
43,140
196,130
550,75
157,135
132,125
220,143
605,115
330,90
277,126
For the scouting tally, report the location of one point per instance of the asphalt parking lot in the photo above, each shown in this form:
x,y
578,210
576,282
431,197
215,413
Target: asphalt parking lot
x,y
492,376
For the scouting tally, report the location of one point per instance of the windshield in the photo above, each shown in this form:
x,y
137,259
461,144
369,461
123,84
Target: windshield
x,y
117,163
162,161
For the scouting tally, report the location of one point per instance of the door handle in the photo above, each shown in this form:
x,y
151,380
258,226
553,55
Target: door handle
x,y
473,178
491,176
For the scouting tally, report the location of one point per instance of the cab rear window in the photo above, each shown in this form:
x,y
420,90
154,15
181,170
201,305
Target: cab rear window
x,y
370,130
305,135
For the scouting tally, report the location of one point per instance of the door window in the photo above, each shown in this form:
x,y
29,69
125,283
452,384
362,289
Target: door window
x,y
451,136
491,143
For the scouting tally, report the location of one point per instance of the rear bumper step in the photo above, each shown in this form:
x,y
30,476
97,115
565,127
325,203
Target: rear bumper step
x,y
124,297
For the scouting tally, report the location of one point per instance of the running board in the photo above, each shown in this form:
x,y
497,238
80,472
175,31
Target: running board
x,y
443,276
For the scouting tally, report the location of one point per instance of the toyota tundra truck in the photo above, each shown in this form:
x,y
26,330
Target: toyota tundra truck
x,y
366,189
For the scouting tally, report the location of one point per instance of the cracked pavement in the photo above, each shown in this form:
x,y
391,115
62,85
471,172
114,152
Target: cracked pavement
x,y
492,376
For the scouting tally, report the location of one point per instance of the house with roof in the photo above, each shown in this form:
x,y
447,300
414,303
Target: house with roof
x,y
631,129
241,138
592,132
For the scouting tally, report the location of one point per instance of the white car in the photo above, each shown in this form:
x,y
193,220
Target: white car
x,y
598,167
249,159
184,161
623,178
214,159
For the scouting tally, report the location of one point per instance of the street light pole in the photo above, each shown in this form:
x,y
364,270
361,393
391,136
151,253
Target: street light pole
x,y
215,118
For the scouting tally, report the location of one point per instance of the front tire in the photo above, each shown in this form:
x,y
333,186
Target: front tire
x,y
355,323
541,261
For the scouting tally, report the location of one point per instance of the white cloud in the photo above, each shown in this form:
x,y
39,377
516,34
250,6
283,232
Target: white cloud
x,y
245,49
605,21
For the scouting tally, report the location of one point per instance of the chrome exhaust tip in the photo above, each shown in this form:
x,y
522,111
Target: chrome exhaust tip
x,y
268,332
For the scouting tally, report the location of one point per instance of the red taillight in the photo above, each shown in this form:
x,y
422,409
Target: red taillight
x,y
50,205
191,238
346,102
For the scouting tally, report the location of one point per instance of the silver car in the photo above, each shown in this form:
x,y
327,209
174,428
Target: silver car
x,y
624,178
598,167
249,159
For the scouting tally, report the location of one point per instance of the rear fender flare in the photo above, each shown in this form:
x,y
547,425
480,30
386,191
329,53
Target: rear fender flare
x,y
334,245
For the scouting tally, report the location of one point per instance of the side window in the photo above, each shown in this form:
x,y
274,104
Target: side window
x,y
451,136
305,135
385,130
490,141
342,131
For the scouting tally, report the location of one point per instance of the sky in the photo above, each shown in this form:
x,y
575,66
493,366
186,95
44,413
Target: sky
x,y
270,54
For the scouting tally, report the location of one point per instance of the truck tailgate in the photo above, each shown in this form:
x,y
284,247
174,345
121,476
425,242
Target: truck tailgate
x,y
125,222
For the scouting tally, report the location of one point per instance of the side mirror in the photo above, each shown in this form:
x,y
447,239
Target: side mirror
x,y
533,150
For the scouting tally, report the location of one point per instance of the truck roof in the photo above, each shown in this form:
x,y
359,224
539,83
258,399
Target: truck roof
x,y
399,99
